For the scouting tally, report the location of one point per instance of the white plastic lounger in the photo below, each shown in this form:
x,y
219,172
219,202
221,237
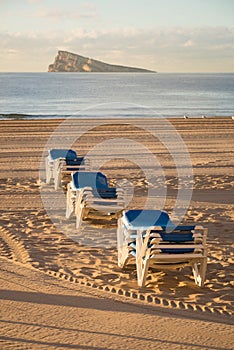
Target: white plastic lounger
x,y
88,195
63,168
53,156
150,239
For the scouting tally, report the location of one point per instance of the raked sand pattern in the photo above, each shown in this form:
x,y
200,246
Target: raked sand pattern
x,y
88,259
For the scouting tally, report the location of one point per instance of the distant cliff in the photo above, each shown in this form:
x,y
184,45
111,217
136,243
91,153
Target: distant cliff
x,y
70,62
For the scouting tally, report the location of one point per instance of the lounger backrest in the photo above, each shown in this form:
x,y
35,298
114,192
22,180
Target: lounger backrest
x,y
74,164
71,154
74,161
62,153
95,180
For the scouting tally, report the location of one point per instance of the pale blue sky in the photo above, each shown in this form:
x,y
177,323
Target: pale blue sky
x,y
164,35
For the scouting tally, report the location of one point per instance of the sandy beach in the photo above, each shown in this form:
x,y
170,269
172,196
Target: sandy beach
x,y
64,290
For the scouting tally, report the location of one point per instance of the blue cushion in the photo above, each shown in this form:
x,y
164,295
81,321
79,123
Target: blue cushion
x,y
144,219
74,162
185,227
170,250
89,179
105,193
177,250
62,153
177,237
183,236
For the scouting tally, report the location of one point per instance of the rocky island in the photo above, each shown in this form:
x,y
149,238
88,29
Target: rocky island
x,y
70,62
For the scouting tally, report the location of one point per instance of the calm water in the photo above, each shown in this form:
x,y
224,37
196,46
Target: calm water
x,y
64,94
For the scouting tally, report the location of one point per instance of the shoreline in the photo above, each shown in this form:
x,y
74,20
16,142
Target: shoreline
x,y
38,117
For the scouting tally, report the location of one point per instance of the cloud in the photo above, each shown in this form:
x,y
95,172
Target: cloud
x,y
161,49
34,1
188,43
84,11
12,51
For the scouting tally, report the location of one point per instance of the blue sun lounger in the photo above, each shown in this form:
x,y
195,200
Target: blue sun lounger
x,y
149,239
89,196
53,156
60,163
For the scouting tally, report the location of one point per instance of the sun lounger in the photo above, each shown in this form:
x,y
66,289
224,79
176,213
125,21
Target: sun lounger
x,y
151,240
88,196
63,168
56,155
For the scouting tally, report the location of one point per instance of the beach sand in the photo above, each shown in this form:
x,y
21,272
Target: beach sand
x,y
63,289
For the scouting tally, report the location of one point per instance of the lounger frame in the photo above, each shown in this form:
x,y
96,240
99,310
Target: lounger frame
x,y
50,162
88,205
149,248
84,204
62,172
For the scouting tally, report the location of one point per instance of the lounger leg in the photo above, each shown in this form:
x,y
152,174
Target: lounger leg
x,y
123,257
79,217
142,263
120,240
69,205
47,170
203,268
142,270
57,181
122,246
195,273
199,272
67,209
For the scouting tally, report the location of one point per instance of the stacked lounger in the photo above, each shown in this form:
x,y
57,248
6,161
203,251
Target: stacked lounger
x,y
88,194
149,239
60,163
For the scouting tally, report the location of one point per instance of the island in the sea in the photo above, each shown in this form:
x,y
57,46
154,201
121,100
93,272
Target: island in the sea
x,y
71,62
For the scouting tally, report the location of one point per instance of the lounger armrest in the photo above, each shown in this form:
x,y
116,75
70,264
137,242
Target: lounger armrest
x,y
59,162
104,201
199,227
82,192
200,230
50,160
120,190
156,228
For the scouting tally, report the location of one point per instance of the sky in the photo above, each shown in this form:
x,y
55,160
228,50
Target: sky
x,y
162,35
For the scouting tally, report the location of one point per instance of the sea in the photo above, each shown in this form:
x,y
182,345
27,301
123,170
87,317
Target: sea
x,y
115,95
